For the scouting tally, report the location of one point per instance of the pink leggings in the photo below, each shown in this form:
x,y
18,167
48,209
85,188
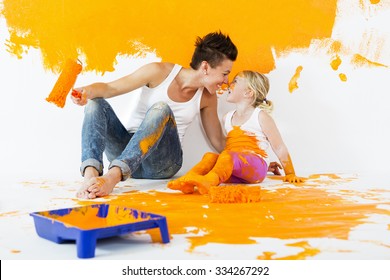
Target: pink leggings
x,y
248,168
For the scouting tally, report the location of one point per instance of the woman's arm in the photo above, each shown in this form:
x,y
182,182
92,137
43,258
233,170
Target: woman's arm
x,y
210,121
148,74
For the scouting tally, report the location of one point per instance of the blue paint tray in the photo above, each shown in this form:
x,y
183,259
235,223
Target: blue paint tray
x,y
87,224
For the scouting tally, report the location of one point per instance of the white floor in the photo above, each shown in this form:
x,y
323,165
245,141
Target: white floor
x,y
19,241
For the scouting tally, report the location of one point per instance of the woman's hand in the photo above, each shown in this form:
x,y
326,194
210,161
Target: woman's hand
x,y
79,96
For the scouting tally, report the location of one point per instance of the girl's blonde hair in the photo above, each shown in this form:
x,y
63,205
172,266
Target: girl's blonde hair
x,y
259,84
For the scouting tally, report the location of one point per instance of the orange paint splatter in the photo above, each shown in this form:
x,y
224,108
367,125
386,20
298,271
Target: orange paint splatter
x,y
308,251
335,63
73,28
146,143
282,213
215,169
12,213
241,141
374,1
343,77
15,251
293,84
360,61
235,194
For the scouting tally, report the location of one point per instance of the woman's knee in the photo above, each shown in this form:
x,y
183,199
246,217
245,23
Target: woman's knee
x,y
96,104
161,107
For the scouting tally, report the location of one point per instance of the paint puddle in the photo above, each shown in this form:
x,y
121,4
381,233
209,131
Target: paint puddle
x,y
307,211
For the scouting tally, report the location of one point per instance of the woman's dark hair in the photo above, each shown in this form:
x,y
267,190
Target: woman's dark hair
x,y
213,48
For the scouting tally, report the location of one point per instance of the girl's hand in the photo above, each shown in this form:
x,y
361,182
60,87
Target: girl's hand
x,y
274,168
292,178
79,96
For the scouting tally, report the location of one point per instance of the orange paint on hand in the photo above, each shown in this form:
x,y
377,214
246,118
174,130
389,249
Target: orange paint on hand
x,y
293,84
76,94
64,83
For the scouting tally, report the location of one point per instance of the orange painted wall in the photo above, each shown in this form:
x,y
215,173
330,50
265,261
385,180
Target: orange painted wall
x,y
98,31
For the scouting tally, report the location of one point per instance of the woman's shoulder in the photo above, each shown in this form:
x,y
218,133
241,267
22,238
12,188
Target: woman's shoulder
x,y
157,71
159,67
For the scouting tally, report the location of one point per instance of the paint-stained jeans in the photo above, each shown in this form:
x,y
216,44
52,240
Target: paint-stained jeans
x,y
152,152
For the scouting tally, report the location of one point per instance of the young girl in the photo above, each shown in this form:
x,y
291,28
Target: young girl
x,y
251,131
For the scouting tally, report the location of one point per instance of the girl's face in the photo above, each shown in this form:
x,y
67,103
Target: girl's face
x,y
217,76
238,88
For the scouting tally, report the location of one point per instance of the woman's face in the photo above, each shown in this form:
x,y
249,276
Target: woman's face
x,y
218,76
238,88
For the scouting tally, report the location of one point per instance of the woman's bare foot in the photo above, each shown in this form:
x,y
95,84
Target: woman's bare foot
x,y
89,173
103,185
96,186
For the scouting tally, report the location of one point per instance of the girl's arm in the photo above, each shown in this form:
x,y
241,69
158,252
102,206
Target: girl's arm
x,y
280,149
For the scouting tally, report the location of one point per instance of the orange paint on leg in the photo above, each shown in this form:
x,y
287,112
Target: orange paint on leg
x,y
203,167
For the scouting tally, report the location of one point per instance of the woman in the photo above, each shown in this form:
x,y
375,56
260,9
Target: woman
x,y
150,147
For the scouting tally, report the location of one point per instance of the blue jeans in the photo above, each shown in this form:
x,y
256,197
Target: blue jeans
x,y
103,132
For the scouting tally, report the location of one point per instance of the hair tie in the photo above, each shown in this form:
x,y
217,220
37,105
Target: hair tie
x,y
265,100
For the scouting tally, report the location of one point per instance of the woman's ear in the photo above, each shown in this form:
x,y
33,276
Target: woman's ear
x,y
204,67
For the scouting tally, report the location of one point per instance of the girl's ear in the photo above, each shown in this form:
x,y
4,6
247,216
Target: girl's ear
x,y
249,93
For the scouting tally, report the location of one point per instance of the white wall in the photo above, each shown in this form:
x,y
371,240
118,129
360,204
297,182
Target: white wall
x,y
328,125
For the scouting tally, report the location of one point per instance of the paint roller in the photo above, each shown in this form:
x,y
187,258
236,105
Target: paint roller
x,y
234,194
64,83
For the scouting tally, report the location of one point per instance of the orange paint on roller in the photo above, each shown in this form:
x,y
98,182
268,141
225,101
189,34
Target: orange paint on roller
x,y
64,83
235,194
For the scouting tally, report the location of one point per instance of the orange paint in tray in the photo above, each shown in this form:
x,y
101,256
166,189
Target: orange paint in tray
x,y
87,224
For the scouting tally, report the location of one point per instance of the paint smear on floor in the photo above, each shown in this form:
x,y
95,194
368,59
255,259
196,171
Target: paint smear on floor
x,y
297,212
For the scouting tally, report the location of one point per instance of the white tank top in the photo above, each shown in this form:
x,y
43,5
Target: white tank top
x,y
251,125
184,112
